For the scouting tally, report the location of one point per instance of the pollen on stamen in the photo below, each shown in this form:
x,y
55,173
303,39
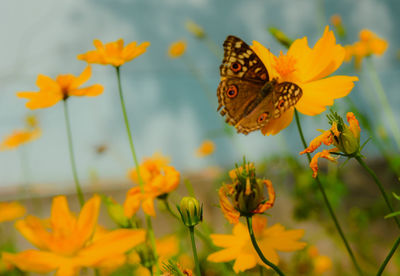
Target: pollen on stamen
x,y
285,65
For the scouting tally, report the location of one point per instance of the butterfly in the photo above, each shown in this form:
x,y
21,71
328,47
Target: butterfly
x,y
246,95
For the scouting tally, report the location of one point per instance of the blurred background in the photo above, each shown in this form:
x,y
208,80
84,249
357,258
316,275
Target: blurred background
x,y
170,112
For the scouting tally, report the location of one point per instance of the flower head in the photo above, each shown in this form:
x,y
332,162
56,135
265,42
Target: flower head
x,y
206,148
177,49
308,68
369,44
11,210
345,138
114,53
52,91
195,29
65,242
245,196
321,263
20,137
238,247
159,179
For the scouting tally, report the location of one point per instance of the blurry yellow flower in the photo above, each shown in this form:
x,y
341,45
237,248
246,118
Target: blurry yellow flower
x,y
159,179
113,53
238,247
245,196
321,263
369,44
66,242
308,68
195,29
52,91
31,121
11,211
177,49
19,137
346,138
336,20
206,148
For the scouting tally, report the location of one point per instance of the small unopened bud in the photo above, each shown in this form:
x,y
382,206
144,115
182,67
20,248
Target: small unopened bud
x,y
345,137
116,212
146,255
195,29
191,211
280,36
347,142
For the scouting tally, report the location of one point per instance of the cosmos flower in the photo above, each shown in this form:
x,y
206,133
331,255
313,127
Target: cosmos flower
x,y
206,148
309,68
177,49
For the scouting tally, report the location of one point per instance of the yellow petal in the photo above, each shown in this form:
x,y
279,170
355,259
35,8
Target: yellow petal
x,y
87,219
62,221
33,230
82,78
148,207
91,91
321,93
323,154
11,210
132,201
266,57
67,270
274,126
111,244
47,84
221,240
225,255
244,261
34,260
326,138
40,99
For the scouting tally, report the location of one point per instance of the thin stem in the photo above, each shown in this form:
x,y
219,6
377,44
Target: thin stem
x,y
388,257
380,92
327,203
257,248
72,156
380,186
152,238
168,207
196,259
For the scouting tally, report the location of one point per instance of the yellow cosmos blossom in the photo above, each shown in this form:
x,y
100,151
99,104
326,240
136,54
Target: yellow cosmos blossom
x,y
113,53
206,148
238,247
345,138
52,91
159,179
20,137
245,196
369,44
321,263
11,211
177,49
65,242
308,68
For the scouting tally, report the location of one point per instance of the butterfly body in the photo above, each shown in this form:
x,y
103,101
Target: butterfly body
x,y
246,95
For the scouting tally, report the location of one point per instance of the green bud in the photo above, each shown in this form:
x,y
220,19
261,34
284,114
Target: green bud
x,y
191,211
116,212
146,255
347,142
280,36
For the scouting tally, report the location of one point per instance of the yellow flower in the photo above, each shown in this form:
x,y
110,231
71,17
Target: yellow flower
x,y
65,242
308,68
113,53
11,211
369,44
245,196
345,138
238,247
52,91
159,179
31,121
177,49
206,148
320,263
20,137
336,20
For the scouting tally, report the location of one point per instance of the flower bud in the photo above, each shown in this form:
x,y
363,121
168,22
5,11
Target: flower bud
x,y
280,36
345,137
191,211
195,29
146,255
116,212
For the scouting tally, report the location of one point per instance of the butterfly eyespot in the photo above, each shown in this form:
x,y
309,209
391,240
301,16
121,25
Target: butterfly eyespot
x,y
263,117
236,67
281,103
232,91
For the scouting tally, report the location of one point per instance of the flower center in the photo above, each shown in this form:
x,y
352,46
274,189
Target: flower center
x,y
285,65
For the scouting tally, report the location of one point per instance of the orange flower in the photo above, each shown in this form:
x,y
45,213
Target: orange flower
x,y
369,44
113,53
238,247
159,179
66,242
177,49
308,68
11,211
52,91
345,138
206,148
20,137
321,263
245,196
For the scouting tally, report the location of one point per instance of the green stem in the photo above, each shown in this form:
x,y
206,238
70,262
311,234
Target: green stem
x,y
72,156
385,106
168,207
196,259
257,248
135,160
380,186
327,203
388,257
